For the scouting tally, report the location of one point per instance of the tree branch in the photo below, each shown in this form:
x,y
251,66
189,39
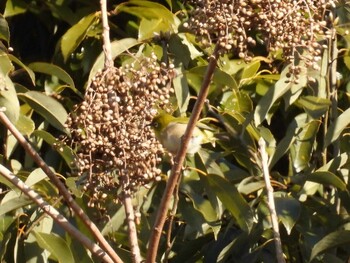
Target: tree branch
x,y
174,177
62,189
130,218
56,216
271,201
106,39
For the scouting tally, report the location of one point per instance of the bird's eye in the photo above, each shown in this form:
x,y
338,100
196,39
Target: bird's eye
x,y
155,124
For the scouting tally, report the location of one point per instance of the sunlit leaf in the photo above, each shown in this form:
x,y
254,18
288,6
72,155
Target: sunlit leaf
x,y
118,47
182,92
315,107
62,149
14,203
15,7
303,145
22,65
47,107
337,127
326,178
273,94
4,29
25,125
76,34
53,70
57,246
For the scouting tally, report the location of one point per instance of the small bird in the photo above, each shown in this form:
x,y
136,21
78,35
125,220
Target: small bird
x,y
169,131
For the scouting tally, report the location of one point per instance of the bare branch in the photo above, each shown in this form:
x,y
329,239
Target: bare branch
x,y
271,201
106,40
130,218
174,177
56,216
62,189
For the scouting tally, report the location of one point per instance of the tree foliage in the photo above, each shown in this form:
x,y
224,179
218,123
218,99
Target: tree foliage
x,y
294,95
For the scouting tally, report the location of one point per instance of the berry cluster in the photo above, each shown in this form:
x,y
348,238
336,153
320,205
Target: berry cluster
x,y
290,25
115,146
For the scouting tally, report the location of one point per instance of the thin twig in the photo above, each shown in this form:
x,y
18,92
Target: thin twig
x,y
106,39
179,159
132,231
56,216
61,187
271,201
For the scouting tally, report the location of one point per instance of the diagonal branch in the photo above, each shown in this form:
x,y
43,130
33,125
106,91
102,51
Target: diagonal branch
x,y
61,187
271,201
56,216
174,177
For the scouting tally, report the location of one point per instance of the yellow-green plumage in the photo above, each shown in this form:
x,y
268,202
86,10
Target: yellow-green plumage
x,y
169,131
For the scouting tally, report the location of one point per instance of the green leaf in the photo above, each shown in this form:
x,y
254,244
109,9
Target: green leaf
x,y
336,163
273,94
182,92
117,47
232,200
303,145
53,70
47,107
337,127
76,34
326,178
250,70
22,65
330,241
8,98
64,150
25,125
315,107
15,7
34,177
56,245
155,18
236,101
288,210
4,29
117,220
14,203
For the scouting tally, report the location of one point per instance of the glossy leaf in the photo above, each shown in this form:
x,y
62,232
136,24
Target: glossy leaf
x,y
232,200
57,246
4,29
76,34
288,210
182,92
62,149
273,94
315,107
303,146
337,127
326,178
8,98
25,125
14,203
53,70
118,47
15,7
330,241
22,65
47,107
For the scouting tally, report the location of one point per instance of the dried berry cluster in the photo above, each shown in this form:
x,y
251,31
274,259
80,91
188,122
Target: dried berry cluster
x,y
282,24
115,147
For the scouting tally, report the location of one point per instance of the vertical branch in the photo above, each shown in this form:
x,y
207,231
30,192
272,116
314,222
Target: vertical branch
x,y
130,218
179,159
61,187
106,39
55,215
271,201
333,55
